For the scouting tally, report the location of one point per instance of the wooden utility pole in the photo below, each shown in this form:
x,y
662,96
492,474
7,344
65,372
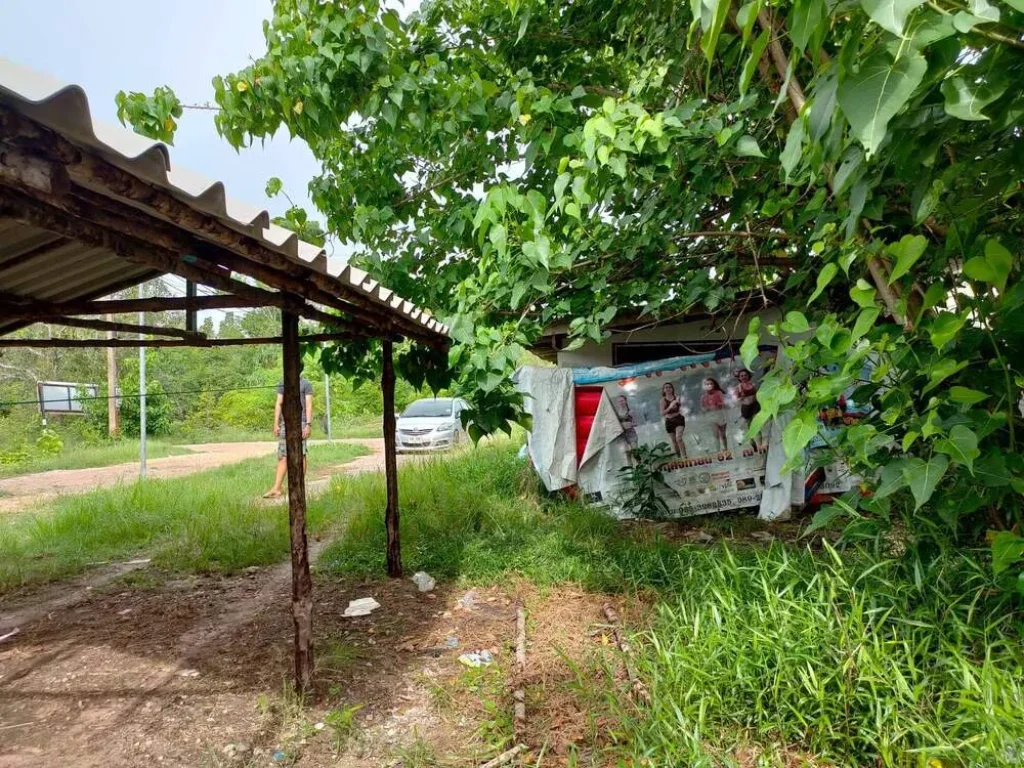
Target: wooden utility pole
x,y
302,583
387,384
112,425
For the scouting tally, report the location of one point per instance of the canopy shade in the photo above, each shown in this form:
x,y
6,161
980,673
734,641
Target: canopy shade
x,y
87,209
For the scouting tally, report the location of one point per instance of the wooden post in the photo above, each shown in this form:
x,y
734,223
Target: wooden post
x,y
387,384
302,583
191,316
112,415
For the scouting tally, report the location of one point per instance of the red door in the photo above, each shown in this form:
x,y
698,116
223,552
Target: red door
x,y
587,399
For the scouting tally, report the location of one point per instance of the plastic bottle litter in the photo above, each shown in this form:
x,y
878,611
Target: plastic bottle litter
x,y
476,659
364,606
279,757
424,581
451,643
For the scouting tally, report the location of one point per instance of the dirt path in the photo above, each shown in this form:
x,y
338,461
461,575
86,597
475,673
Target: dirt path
x,y
26,491
127,668
195,672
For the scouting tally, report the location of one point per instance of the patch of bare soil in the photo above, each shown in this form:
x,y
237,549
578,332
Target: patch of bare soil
x,y
195,672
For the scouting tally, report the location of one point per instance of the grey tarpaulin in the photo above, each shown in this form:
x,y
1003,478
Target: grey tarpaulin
x,y
552,441
777,499
604,452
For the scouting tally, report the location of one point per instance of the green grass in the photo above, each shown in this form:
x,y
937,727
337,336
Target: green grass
x,y
842,656
208,521
98,455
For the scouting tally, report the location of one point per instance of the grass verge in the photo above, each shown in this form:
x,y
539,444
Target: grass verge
x,y
208,521
755,656
99,455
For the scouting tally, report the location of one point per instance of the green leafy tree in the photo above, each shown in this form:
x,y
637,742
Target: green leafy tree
x,y
159,410
513,163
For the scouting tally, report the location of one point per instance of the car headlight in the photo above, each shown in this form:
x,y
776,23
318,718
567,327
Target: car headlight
x,y
445,428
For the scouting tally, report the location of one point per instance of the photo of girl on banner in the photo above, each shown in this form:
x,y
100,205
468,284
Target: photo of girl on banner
x,y
698,409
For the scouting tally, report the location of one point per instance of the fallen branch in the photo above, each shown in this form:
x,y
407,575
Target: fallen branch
x,y
637,689
504,757
519,695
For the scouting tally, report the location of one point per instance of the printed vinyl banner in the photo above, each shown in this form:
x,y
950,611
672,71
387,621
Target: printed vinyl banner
x,y
697,408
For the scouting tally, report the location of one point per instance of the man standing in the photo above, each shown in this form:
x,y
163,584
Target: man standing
x,y
306,393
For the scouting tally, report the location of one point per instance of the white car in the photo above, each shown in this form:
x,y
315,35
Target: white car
x,y
431,424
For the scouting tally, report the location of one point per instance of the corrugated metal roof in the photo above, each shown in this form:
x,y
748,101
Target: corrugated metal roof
x,y
77,271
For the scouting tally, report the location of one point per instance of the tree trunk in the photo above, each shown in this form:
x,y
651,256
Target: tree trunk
x,y
302,584
387,384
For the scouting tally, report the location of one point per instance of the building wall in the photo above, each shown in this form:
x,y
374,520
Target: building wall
x,y
593,355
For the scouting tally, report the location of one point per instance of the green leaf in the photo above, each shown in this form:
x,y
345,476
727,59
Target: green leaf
x,y
518,291
909,439
961,446
907,251
891,478
798,433
748,349
1007,551
391,21
747,146
805,21
891,14
865,321
863,294
791,153
824,278
274,186
941,371
923,476
709,40
872,96
750,67
795,322
1000,261
965,100
966,395
991,470
944,328
775,393
934,296
561,183
746,17
825,517
603,126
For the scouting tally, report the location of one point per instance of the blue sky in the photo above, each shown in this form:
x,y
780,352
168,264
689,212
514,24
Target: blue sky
x,y
109,45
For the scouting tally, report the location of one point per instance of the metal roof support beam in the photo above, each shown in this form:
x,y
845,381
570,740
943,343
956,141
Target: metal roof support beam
x,y
6,341
73,219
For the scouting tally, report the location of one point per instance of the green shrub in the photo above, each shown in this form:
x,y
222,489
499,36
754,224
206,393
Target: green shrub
x,y
159,408
49,443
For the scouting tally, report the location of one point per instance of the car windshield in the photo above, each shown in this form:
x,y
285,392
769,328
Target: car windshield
x,y
429,408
